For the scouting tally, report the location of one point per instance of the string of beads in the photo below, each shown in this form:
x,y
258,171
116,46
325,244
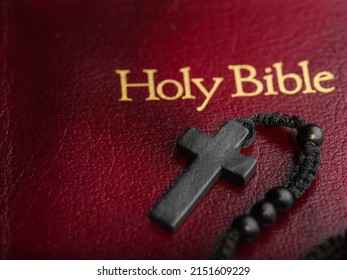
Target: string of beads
x,y
245,228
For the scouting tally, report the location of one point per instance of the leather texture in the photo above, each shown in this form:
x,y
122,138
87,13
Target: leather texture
x,y
79,170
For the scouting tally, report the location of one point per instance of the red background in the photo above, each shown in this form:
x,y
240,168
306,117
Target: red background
x,y
79,170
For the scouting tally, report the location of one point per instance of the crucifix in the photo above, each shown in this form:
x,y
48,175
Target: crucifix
x,y
213,156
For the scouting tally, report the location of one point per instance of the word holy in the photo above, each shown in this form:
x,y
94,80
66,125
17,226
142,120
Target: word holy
x,y
304,82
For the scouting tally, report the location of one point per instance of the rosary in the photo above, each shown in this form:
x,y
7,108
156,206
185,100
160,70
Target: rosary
x,y
219,155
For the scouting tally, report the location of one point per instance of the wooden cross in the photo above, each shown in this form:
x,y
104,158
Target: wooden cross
x,y
213,156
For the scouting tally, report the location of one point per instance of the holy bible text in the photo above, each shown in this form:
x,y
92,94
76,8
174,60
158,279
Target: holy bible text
x,y
275,81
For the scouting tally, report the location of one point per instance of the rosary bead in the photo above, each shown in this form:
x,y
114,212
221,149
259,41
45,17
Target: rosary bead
x,y
247,227
311,133
265,213
281,198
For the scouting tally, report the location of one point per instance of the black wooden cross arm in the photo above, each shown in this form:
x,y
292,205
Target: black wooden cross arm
x,y
212,157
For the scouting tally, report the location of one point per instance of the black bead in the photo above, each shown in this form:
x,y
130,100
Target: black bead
x,y
281,198
265,213
311,133
247,227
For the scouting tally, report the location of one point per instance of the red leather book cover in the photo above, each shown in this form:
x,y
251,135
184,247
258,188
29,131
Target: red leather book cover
x,y
83,159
